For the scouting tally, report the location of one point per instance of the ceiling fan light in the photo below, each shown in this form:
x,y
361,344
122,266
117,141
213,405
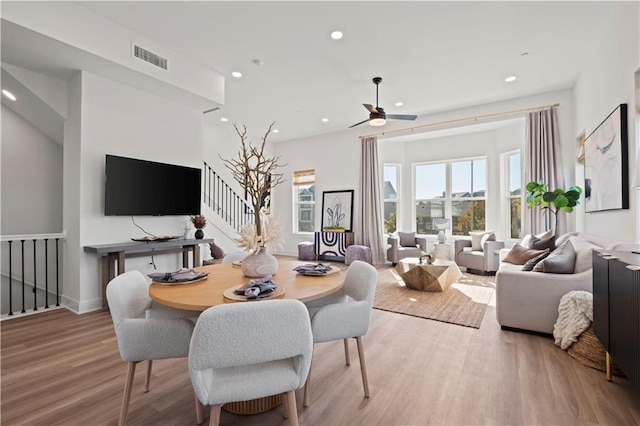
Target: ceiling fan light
x,y
376,122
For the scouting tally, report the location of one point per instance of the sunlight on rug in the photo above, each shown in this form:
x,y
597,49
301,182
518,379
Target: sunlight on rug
x,y
464,303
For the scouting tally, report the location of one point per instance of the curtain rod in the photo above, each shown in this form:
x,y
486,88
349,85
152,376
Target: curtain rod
x,y
460,120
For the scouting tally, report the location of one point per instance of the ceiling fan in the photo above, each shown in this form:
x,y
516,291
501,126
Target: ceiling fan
x,y
377,116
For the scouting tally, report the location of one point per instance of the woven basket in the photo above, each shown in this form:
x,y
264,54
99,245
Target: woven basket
x,y
254,406
589,351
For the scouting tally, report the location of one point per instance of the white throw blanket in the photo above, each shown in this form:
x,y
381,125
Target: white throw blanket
x,y
575,314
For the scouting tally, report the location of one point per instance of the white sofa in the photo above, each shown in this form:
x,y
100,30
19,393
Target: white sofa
x,y
529,300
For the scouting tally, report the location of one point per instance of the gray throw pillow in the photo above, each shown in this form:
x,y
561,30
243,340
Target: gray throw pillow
x,y
541,244
560,261
529,265
407,239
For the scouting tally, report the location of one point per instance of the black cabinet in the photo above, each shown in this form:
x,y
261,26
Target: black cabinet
x,y
616,308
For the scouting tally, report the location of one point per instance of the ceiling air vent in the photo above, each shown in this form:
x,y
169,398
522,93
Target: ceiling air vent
x,y
150,57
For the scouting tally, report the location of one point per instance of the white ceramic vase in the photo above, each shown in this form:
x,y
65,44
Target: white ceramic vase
x,y
259,264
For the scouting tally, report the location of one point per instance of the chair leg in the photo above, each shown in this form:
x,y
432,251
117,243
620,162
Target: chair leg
x,y
199,415
147,378
214,415
346,351
131,369
285,404
363,367
291,405
305,398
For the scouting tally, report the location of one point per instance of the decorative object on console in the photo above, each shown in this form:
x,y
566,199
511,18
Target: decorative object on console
x,y
200,222
337,210
538,195
441,223
606,167
257,174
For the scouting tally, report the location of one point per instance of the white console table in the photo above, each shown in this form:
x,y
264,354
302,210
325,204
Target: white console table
x,y
112,255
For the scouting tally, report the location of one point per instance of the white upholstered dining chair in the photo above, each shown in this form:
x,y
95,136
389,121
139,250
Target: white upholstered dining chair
x,y
145,332
345,314
244,351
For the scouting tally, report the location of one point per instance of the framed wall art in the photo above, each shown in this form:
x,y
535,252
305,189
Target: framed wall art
x,y
606,167
337,210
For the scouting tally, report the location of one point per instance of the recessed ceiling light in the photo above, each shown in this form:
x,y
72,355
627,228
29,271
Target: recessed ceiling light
x,y
236,74
225,119
8,94
399,103
325,120
276,131
510,78
336,35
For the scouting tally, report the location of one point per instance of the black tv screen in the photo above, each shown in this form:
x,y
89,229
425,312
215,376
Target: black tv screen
x,y
146,188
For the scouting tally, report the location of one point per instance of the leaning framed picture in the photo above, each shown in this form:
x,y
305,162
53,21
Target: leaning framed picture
x,y
606,167
337,210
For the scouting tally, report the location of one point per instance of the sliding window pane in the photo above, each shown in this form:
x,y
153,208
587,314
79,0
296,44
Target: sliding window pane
x,y
426,211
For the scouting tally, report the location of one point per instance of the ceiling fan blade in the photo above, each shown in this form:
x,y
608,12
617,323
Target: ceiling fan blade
x,y
402,116
370,108
357,124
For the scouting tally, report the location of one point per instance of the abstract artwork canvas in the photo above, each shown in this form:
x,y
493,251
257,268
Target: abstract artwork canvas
x,y
606,167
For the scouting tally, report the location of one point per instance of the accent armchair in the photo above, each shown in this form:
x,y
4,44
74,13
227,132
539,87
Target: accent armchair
x,y
405,244
480,255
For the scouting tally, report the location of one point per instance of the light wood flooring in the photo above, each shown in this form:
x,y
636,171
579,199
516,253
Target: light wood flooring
x,y
59,368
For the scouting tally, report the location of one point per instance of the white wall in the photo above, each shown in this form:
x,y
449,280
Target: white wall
x,y
607,82
111,118
336,161
31,165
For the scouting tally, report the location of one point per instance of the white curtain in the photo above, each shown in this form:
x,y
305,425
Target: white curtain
x,y
543,163
370,214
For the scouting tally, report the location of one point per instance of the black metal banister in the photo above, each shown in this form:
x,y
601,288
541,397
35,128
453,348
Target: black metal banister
x,y
224,201
40,267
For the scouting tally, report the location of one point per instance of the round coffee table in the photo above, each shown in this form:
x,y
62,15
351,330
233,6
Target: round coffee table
x,y
437,276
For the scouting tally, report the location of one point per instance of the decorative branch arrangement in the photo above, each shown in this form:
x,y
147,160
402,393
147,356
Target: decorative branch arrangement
x,y
256,173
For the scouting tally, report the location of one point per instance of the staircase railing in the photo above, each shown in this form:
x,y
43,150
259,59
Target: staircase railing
x,y
30,264
224,201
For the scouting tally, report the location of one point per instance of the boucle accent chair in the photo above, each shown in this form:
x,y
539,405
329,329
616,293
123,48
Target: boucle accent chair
x,y
405,244
144,332
346,314
243,351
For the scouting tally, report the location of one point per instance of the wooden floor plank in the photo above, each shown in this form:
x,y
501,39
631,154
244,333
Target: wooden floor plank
x,y
59,368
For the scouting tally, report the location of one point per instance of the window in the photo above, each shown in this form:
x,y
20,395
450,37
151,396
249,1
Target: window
x,y
430,194
468,195
514,194
454,190
304,196
391,196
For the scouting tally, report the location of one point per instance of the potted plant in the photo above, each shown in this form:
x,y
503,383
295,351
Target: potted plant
x,y
538,195
199,222
257,174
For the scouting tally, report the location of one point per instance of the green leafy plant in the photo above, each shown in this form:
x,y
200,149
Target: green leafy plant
x,y
538,195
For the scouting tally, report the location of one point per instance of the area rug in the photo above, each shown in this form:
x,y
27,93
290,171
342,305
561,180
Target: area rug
x,y
464,303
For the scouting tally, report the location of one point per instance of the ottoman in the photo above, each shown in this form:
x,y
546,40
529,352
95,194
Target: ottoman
x,y
306,250
357,252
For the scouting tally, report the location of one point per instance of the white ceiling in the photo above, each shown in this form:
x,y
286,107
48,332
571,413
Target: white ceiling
x,y
433,56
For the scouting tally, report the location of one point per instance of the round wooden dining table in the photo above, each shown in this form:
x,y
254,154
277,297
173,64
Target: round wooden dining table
x,y
200,295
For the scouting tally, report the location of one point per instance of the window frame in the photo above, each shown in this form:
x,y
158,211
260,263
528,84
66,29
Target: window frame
x,y
506,169
398,199
299,179
448,199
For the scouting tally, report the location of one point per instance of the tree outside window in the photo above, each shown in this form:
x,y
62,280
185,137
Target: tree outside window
x,y
468,196
514,179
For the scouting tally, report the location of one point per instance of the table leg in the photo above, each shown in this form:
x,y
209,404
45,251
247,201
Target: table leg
x,y
196,255
185,257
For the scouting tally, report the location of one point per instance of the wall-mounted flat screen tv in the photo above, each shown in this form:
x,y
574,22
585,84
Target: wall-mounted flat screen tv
x,y
146,188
